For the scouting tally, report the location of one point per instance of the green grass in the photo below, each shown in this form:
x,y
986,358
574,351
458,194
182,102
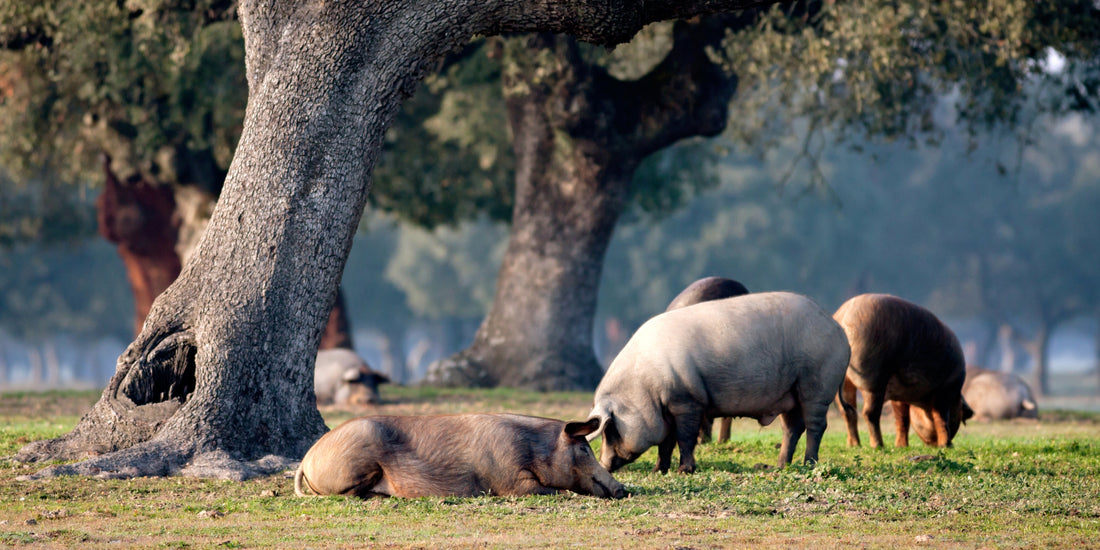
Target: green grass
x,y
1004,485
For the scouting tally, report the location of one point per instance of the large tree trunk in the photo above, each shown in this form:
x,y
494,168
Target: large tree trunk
x,y
578,135
219,381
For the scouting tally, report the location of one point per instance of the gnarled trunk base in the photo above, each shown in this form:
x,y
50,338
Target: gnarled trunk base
x,y
153,419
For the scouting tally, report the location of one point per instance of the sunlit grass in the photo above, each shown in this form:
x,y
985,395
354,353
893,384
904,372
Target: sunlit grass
x,y
1004,485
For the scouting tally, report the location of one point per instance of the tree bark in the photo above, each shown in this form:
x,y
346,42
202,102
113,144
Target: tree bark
x,y
219,381
578,135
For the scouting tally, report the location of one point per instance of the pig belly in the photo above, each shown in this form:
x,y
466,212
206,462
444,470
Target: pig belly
x,y
762,409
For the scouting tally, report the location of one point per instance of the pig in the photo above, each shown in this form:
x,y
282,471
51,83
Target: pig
x,y
705,290
761,356
998,395
902,353
341,377
455,455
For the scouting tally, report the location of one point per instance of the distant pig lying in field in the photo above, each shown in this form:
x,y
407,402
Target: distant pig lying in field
x,y
341,377
761,356
705,290
455,455
902,353
998,395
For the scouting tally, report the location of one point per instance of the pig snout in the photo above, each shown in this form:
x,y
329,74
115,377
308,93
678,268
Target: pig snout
x,y
609,488
359,393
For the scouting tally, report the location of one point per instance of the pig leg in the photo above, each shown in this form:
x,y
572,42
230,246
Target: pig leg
x,y
705,429
664,453
687,429
793,426
814,418
872,412
846,403
901,423
940,417
724,429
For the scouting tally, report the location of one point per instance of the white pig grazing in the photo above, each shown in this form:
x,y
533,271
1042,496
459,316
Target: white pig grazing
x,y
341,377
762,356
998,395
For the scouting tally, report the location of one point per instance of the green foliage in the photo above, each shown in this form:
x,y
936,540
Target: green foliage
x,y
135,79
447,157
879,69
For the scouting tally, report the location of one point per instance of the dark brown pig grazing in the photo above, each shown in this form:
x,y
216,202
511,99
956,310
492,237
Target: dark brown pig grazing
x,y
341,377
705,290
455,455
762,356
902,353
998,395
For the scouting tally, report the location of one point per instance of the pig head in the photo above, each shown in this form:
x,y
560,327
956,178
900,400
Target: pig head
x,y
455,455
341,377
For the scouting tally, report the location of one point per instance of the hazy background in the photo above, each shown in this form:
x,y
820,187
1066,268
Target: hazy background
x,y
911,221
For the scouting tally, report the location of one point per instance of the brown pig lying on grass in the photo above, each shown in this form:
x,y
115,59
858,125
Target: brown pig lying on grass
x,y
455,455
902,353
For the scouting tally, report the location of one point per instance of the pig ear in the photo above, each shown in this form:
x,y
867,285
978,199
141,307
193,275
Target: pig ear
x,y
580,429
380,378
967,412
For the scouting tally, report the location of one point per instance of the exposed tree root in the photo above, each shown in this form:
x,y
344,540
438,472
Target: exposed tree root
x,y
159,458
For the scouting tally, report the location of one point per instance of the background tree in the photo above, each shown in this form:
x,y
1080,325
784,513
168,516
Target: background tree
x,y
579,134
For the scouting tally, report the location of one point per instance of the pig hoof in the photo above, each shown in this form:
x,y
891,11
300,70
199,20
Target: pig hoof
x,y
685,469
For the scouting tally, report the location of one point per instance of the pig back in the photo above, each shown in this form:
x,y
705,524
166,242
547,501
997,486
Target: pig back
x,y
737,354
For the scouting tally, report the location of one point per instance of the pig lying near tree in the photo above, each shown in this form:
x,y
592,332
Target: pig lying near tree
x,y
705,290
998,395
455,455
341,377
760,356
901,352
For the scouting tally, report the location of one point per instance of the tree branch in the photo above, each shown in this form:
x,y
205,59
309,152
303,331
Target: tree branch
x,y
604,22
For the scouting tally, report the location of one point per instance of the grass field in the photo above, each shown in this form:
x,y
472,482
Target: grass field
x,y
1003,485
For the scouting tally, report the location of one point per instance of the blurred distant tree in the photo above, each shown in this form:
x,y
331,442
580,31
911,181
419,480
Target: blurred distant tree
x,y
579,134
